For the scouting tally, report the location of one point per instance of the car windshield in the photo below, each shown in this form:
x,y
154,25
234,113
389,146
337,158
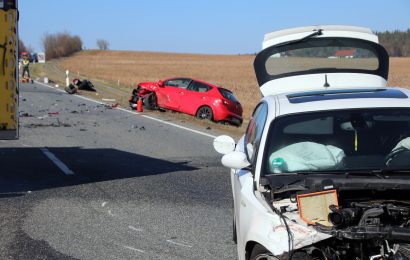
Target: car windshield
x,y
348,140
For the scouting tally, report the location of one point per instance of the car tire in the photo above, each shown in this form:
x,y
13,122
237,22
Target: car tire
x,y
150,101
205,112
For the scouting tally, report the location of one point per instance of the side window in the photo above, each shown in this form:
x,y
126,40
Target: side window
x,y
199,87
179,83
254,131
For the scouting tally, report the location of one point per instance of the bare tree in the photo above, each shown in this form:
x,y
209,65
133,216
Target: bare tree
x,y
61,45
103,44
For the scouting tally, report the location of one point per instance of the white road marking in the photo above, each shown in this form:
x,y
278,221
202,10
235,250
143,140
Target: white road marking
x,y
136,113
103,204
57,162
178,244
135,229
134,249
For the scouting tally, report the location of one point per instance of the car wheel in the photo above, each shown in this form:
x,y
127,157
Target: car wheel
x,y
150,101
205,112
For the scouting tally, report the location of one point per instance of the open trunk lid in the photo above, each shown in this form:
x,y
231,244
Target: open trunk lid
x,y
320,57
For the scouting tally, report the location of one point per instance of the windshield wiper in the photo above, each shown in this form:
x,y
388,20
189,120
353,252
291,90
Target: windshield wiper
x,y
314,34
392,171
376,173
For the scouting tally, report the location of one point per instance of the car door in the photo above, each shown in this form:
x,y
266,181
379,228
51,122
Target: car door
x,y
193,97
243,180
173,90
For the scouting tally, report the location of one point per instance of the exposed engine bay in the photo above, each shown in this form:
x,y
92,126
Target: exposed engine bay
x,y
362,223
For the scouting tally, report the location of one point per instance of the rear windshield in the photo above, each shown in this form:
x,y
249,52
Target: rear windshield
x,y
312,58
321,55
228,94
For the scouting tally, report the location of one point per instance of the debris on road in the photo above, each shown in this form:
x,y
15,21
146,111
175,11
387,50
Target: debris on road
x,y
80,85
58,124
25,115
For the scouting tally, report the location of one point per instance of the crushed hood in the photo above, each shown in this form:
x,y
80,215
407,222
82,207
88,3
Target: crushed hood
x,y
320,57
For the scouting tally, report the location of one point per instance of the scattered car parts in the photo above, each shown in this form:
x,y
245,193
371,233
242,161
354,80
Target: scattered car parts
x,y
80,85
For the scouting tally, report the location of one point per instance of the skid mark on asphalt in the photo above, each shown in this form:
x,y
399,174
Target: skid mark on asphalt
x,y
57,162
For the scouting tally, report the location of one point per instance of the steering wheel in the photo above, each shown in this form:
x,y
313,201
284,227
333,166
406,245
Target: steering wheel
x,y
394,154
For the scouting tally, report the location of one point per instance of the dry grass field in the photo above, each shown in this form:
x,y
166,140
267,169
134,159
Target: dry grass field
x,y
234,72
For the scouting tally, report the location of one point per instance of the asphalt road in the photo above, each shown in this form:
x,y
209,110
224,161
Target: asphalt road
x,y
85,181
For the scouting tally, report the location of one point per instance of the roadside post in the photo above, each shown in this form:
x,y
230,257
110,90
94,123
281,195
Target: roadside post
x,y
67,80
9,71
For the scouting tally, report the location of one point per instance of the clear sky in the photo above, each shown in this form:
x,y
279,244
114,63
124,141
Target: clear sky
x,y
197,26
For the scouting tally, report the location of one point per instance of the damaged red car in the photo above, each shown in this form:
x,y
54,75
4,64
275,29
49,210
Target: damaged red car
x,y
190,96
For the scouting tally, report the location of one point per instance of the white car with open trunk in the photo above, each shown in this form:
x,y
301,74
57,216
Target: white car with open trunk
x,y
323,170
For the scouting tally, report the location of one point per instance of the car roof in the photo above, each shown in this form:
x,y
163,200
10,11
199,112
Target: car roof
x,y
335,99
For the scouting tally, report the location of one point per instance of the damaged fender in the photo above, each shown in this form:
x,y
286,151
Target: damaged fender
x,y
259,223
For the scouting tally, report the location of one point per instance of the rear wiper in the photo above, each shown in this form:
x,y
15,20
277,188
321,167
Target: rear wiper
x,y
314,34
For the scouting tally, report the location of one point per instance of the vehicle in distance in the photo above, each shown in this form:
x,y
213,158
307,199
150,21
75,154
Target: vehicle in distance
x,y
194,97
323,169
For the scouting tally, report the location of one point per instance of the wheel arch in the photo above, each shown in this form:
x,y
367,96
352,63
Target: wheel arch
x,y
206,105
248,249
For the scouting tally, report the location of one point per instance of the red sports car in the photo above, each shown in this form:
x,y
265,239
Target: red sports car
x,y
190,96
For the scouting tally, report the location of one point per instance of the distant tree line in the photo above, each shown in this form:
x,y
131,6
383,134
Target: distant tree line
x,y
61,45
397,43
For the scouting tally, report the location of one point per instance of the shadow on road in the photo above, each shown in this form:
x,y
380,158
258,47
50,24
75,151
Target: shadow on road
x,y
28,169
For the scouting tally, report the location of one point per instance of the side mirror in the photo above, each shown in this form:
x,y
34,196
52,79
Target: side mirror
x,y
224,144
235,160
160,83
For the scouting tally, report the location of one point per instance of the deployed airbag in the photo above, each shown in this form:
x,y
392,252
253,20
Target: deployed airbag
x,y
305,156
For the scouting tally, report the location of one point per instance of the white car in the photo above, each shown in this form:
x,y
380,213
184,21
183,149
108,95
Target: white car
x,y
323,170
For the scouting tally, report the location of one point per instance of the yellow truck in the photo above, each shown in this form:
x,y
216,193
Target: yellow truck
x,y
9,83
